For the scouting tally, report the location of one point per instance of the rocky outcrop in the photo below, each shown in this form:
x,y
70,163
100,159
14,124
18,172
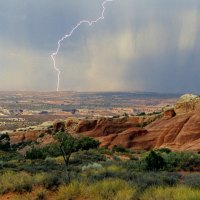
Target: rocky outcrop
x,y
41,134
40,137
169,113
109,131
179,133
178,130
187,103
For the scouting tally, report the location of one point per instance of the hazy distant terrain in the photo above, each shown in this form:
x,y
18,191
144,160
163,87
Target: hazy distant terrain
x,y
22,109
77,100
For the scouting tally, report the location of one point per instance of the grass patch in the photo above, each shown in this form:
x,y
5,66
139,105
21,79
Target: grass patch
x,y
171,193
15,182
71,191
111,189
108,189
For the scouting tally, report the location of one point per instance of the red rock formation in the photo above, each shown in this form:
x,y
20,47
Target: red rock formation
x,y
178,131
169,113
125,138
181,132
29,136
58,126
187,103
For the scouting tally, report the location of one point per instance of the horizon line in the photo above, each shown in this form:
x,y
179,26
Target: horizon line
x,y
98,91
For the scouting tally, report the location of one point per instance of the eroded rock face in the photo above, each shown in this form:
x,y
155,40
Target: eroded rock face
x,y
42,137
180,133
169,113
58,126
124,139
177,132
187,103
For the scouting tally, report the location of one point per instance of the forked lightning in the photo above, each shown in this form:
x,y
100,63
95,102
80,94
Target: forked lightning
x,y
90,23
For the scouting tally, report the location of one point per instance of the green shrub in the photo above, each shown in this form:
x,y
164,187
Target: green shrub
x,y
118,148
86,157
154,161
52,150
53,181
176,161
192,180
86,143
21,145
105,151
36,153
156,179
134,165
102,176
143,180
164,150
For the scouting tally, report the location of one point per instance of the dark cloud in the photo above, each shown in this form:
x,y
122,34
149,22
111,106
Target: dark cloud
x,y
141,45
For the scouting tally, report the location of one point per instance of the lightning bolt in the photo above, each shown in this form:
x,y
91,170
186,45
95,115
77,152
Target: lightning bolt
x,y
90,23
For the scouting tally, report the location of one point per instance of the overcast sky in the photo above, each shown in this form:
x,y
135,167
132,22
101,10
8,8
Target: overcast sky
x,y
141,45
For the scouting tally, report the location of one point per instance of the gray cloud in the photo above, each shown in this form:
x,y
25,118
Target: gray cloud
x,y
141,45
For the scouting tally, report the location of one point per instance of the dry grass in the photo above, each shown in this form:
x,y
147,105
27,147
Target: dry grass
x,y
108,189
171,193
15,182
71,191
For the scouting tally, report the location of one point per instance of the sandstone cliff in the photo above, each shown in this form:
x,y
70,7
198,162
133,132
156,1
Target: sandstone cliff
x,y
187,103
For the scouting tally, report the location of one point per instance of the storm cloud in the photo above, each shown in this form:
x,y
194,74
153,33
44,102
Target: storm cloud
x,y
142,45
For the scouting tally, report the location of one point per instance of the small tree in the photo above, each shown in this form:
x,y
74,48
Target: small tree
x,y
69,144
154,161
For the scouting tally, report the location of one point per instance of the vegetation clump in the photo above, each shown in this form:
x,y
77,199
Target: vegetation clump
x,y
4,142
69,144
36,153
154,161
